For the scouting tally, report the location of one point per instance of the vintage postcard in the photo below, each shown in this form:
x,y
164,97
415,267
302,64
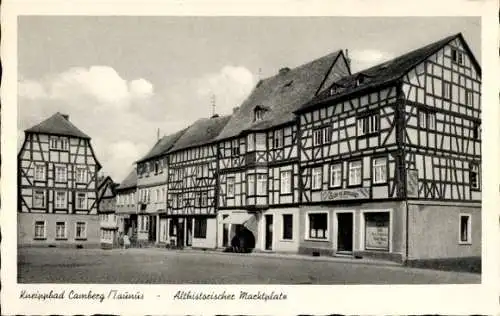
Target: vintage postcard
x,y
292,157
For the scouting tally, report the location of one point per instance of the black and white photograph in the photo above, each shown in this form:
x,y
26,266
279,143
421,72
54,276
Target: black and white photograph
x,y
270,151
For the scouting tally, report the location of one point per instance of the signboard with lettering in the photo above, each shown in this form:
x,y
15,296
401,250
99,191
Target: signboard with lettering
x,y
345,194
412,183
377,231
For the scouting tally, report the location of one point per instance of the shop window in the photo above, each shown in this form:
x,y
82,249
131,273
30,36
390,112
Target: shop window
x,y
200,228
287,226
377,230
465,229
318,225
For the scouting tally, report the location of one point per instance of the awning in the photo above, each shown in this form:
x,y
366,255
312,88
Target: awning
x,y
237,218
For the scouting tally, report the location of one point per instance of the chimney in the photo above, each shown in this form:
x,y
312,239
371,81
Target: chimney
x,y
347,58
158,134
66,116
284,70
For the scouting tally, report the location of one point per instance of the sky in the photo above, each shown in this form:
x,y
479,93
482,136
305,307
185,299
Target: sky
x,y
120,79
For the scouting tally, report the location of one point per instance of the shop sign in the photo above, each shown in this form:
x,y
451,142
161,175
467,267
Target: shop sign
x,y
345,194
377,231
412,183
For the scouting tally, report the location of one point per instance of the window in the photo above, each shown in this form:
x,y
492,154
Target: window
x,y
260,141
317,180
287,226
61,173
251,184
278,138
259,114
235,148
368,124
54,143
322,136
457,56
426,119
469,98
318,225
64,143
336,175
261,184
39,172
200,228
60,230
474,176
446,90
81,230
230,187
379,170
355,172
476,130
81,201
39,199
60,200
465,229
204,199
39,229
81,175
286,182
251,142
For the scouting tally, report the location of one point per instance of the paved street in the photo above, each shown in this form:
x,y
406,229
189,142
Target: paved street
x,y
161,266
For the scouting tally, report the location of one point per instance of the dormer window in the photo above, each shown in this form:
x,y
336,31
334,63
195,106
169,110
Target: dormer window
x,y
360,80
259,112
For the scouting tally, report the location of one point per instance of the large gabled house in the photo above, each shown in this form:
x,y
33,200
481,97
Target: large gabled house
x,y
57,185
390,159
259,157
126,205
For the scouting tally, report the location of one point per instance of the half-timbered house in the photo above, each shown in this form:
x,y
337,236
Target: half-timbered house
x,y
106,208
126,206
152,174
390,159
258,157
192,185
57,185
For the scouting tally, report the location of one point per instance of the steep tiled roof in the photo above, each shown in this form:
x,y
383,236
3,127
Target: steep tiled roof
x,y
129,182
382,74
203,131
162,145
280,95
57,124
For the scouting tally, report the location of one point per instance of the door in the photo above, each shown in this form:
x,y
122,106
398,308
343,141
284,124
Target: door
x,y
344,232
152,228
189,232
269,232
225,233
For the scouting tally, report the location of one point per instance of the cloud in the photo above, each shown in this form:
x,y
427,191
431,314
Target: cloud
x,y
362,59
122,115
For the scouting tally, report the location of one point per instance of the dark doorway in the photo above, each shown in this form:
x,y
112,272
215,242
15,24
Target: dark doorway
x,y
344,232
189,232
152,228
180,233
225,233
269,232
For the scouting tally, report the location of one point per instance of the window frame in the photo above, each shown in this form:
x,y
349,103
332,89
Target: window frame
x,y
477,172
349,183
65,235
331,169
44,194
468,241
228,185
43,167
374,172
457,56
84,178
368,123
57,174
320,177
44,230
278,139
77,201
261,179
57,206
200,227
448,95
288,186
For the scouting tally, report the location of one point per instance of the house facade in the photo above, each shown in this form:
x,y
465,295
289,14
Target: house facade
x,y
126,206
192,185
152,176
57,186
390,159
109,223
258,168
